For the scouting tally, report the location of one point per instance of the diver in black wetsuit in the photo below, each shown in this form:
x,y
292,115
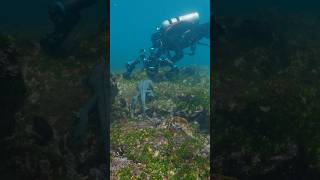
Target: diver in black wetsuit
x,y
179,36
64,17
175,35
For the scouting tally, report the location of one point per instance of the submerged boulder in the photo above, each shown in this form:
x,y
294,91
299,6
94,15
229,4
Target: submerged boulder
x,y
43,130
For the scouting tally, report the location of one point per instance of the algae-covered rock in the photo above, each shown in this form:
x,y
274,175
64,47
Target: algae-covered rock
x,y
12,91
41,94
267,99
162,144
185,95
171,151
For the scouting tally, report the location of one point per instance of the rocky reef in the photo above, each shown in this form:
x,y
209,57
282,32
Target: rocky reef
x,y
171,141
12,91
266,102
40,96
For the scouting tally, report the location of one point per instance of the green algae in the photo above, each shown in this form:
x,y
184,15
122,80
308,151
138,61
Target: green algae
x,y
159,152
184,94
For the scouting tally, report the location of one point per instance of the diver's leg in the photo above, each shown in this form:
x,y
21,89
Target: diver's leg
x,y
178,55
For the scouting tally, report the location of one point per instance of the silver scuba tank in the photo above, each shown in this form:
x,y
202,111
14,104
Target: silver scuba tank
x,y
192,17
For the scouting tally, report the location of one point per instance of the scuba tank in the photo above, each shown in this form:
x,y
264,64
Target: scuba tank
x,y
192,18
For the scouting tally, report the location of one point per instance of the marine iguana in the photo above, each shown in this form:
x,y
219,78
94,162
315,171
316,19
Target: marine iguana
x,y
99,102
145,89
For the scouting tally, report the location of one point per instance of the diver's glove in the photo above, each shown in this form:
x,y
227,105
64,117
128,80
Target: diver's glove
x,y
130,67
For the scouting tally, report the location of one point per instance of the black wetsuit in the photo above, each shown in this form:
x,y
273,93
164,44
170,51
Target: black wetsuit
x,y
179,36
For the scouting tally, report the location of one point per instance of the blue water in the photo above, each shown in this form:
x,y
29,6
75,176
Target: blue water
x,y
133,21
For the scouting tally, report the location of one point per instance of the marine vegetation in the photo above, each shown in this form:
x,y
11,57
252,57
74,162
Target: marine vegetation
x,y
171,141
266,103
43,95
12,91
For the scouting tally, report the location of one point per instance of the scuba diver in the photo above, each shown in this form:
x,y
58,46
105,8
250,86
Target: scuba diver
x,y
174,35
64,17
179,33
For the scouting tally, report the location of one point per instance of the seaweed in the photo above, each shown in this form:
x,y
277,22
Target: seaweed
x,y
166,143
266,103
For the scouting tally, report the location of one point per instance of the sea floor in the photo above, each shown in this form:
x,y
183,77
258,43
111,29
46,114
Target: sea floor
x,y
172,140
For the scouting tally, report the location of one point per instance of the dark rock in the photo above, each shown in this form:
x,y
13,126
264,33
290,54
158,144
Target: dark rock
x,y
43,130
12,87
113,88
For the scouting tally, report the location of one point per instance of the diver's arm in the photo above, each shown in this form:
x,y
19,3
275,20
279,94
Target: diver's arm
x,y
130,66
